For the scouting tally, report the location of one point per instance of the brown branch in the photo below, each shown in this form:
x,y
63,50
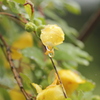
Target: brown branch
x,y
15,17
15,73
89,26
65,95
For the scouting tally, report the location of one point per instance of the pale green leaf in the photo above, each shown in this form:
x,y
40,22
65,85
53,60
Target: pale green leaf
x,y
87,86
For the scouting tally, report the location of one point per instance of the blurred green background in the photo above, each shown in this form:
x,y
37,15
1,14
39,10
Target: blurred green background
x,y
76,16
92,42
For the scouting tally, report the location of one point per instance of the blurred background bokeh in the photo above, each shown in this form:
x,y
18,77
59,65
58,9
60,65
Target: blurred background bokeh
x,y
92,42
74,17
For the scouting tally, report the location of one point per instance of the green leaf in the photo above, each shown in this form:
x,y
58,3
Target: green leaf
x,y
20,1
27,83
73,7
5,94
34,54
73,54
87,86
29,10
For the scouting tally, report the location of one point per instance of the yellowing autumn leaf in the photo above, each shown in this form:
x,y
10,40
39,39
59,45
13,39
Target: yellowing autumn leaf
x,y
25,40
70,80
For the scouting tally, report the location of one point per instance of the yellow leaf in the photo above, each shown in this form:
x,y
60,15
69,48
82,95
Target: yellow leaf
x,y
25,40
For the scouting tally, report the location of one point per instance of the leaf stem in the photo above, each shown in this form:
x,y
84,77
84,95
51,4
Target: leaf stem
x,y
65,95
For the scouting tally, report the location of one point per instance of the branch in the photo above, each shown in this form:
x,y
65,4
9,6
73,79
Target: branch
x,y
65,95
15,73
15,17
89,26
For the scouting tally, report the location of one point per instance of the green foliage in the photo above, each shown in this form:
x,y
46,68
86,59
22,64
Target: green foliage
x,y
73,54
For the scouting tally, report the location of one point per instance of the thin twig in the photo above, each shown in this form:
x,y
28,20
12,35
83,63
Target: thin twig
x,y
89,26
13,16
65,95
15,73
